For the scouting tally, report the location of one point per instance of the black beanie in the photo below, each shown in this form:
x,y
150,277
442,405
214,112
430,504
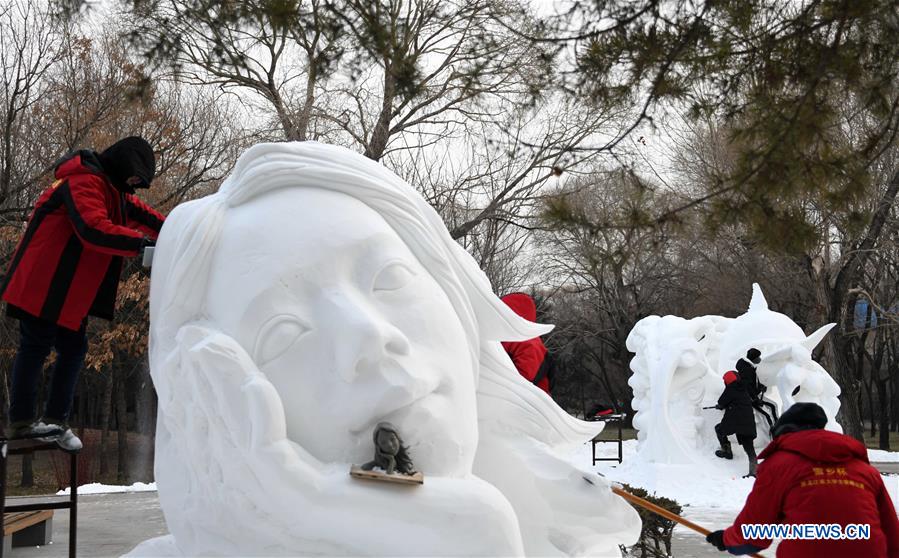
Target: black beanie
x,y
754,355
132,156
800,416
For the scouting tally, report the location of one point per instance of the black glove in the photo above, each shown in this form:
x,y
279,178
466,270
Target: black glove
x,y
716,539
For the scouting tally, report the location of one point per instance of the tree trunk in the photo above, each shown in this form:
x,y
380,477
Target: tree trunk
x,y
380,134
873,409
27,471
302,124
836,353
583,376
105,415
6,379
122,420
144,401
850,416
894,407
883,396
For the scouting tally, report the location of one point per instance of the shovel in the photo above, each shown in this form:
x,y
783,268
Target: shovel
x,y
647,505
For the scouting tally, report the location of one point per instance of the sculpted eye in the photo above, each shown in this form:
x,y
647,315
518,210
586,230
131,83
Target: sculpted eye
x,y
276,336
393,277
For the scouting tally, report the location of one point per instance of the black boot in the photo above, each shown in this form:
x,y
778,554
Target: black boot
x,y
749,448
725,452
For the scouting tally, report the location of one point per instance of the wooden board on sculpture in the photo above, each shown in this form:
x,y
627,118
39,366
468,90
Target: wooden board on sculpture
x,y
360,473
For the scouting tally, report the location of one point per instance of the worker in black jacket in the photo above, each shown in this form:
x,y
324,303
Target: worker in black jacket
x,y
746,368
738,419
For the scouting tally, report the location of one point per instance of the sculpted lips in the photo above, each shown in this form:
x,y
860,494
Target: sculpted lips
x,y
402,393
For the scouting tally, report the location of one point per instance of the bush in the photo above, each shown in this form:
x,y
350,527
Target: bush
x,y
655,537
86,458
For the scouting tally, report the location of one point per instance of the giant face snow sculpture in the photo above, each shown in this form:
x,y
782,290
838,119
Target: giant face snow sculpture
x,y
677,369
326,317
314,296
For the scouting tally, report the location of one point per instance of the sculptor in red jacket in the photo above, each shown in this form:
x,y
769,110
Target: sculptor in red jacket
x,y
68,262
66,267
526,355
814,476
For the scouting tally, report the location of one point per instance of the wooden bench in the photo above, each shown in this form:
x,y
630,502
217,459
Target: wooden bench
x,y
30,528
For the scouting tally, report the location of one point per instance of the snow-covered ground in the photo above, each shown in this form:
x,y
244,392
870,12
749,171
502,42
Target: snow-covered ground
x,y
720,486
880,456
97,488
711,497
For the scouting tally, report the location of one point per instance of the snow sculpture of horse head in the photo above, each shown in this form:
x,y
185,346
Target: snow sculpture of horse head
x,y
787,367
677,369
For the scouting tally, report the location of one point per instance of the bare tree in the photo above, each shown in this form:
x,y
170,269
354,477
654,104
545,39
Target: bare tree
x,y
29,47
435,65
279,56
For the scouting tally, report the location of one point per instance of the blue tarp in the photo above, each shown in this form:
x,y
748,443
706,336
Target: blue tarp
x,y
861,320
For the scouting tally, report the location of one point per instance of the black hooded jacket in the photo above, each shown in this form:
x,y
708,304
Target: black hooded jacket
x,y
738,416
126,158
749,378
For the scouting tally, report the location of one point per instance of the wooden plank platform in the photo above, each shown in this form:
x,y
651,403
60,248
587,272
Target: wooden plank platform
x,y
360,473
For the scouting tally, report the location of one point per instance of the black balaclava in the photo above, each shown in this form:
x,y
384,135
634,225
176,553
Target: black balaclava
x,y
132,156
754,355
800,416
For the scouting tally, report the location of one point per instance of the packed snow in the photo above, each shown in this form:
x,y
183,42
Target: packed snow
x,y
881,456
97,488
713,493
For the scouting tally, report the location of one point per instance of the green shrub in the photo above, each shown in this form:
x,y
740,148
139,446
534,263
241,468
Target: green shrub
x,y
655,537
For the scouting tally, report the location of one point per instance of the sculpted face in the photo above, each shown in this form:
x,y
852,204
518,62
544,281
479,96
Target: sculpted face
x,y
388,442
348,326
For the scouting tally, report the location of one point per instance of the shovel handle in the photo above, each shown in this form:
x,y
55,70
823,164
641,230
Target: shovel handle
x,y
647,505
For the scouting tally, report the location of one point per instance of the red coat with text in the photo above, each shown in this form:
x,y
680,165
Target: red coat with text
x,y
818,477
526,355
68,262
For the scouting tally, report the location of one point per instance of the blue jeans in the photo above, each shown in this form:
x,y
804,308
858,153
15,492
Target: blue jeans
x,y
37,338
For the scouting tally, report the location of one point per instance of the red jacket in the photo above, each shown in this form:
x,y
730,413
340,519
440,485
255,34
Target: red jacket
x,y
526,355
68,262
821,477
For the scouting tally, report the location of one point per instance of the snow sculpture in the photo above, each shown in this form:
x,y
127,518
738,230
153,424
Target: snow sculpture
x,y
313,297
677,369
669,377
786,358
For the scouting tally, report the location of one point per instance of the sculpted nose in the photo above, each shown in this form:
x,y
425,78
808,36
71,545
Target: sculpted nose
x,y
368,339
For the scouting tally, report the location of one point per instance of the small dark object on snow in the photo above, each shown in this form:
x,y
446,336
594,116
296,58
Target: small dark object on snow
x,y
391,456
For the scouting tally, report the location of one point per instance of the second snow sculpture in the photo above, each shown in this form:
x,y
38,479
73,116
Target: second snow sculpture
x,y
669,383
313,297
677,369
